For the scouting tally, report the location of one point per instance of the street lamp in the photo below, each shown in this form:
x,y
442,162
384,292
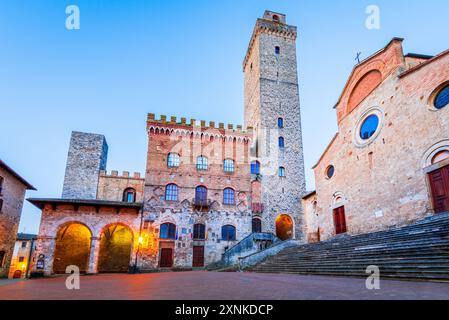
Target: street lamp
x,y
150,219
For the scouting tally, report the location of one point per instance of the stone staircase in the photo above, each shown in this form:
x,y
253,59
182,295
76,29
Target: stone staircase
x,y
251,244
419,251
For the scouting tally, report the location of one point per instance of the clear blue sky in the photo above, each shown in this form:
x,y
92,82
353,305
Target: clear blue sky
x,y
176,58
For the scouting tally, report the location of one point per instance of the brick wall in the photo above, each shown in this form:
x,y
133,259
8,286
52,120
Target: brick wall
x,y
12,194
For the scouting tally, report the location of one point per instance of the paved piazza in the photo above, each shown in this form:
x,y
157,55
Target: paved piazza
x,y
220,286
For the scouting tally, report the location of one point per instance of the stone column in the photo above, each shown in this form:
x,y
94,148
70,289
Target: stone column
x,y
93,256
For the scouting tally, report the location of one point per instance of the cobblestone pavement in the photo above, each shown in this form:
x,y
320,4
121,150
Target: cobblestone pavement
x,y
220,286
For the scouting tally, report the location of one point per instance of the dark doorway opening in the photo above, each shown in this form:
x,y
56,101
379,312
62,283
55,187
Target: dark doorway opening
x,y
198,257
17,274
340,220
439,183
166,259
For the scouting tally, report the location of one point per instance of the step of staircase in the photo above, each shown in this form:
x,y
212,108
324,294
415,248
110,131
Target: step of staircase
x,y
419,251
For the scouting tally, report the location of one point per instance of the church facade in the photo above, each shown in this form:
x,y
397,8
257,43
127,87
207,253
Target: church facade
x,y
207,185
388,164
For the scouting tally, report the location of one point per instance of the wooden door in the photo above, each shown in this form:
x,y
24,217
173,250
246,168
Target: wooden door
x,y
439,183
198,257
340,220
17,274
166,260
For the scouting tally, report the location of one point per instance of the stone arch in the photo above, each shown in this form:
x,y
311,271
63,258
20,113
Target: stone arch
x,y
429,155
168,219
116,243
72,247
338,198
367,83
284,227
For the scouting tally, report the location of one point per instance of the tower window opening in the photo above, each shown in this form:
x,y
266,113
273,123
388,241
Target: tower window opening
x,y
282,172
280,123
281,142
277,50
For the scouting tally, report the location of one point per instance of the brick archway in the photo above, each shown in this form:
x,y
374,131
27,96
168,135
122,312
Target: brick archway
x,y
116,242
72,247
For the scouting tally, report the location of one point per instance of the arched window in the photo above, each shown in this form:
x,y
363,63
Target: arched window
x,y
228,233
314,206
277,50
228,166
1,205
275,18
257,225
201,195
168,231
255,167
440,156
442,98
199,231
330,172
171,192
281,142
363,88
369,127
173,160
129,195
1,184
280,123
201,163
228,196
282,172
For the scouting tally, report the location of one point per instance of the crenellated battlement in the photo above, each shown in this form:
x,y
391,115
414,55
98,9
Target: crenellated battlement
x,y
271,23
164,123
124,175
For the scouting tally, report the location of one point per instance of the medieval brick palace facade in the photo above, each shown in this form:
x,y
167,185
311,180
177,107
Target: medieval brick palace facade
x,y
209,186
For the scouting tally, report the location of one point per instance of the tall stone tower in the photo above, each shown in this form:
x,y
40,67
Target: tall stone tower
x,y
272,109
87,155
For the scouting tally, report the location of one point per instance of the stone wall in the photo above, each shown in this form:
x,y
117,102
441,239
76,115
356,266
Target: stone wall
x,y
86,157
382,182
112,186
12,194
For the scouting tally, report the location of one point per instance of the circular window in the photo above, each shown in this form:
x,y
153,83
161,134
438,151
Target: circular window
x,y
330,171
442,98
369,127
